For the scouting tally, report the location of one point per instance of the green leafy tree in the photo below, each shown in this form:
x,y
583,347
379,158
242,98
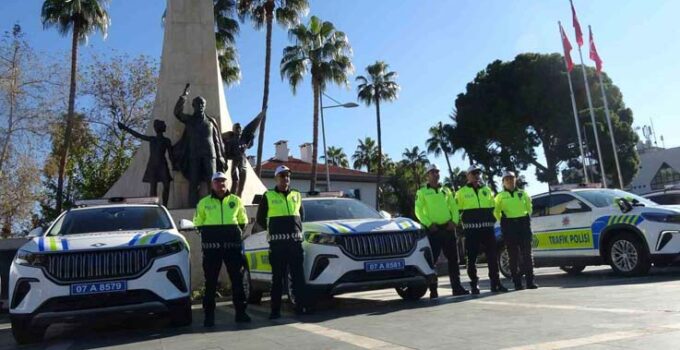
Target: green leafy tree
x,y
226,30
364,155
287,13
438,144
378,86
416,160
81,18
511,108
337,157
324,52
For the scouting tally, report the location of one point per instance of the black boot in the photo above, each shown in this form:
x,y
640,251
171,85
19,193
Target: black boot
x,y
433,292
274,314
209,318
457,287
498,287
474,288
518,283
242,317
530,282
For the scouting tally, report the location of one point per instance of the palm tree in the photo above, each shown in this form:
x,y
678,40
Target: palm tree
x,y
81,18
439,144
263,12
378,86
416,160
226,30
365,154
325,52
337,157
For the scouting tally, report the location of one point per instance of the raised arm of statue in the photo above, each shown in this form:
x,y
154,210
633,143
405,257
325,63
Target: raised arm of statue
x,y
134,133
179,109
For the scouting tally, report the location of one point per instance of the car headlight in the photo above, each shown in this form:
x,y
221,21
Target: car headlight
x,y
321,238
26,258
167,249
662,217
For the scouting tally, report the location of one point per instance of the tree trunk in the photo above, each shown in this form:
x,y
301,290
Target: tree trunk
x,y
69,120
269,12
315,132
377,188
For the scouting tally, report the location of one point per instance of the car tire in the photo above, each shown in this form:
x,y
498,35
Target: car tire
x,y
504,261
252,296
573,269
25,333
628,255
181,315
412,292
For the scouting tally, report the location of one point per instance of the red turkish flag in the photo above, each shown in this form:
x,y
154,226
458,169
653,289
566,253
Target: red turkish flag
x,y
567,49
593,52
577,26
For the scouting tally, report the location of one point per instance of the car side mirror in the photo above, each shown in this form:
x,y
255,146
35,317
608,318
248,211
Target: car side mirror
x,y
385,214
186,225
36,232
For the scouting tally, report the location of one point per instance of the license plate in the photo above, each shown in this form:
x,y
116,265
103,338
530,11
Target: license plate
x,y
384,265
98,287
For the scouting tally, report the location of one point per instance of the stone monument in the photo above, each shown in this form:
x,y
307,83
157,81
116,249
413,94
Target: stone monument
x,y
189,56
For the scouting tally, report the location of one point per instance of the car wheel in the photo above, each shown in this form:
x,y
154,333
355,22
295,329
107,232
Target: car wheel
x,y
412,292
504,261
252,296
627,255
180,315
25,333
573,269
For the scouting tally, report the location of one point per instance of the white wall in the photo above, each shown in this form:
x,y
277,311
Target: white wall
x,y
366,189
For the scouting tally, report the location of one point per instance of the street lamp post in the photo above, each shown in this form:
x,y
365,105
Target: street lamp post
x,y
323,131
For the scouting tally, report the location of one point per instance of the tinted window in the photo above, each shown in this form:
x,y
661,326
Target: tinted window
x,y
666,199
565,204
605,198
111,219
337,209
540,205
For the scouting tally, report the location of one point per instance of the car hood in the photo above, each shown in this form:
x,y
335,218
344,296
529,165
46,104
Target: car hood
x,y
675,208
361,226
100,240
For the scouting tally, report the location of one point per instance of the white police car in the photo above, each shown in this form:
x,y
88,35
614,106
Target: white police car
x,y
111,260
580,227
350,247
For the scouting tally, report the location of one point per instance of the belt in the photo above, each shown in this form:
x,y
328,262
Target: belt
x,y
220,245
286,237
478,225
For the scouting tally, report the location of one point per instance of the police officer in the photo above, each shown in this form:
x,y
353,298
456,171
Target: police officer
x,y
220,218
436,209
280,213
476,204
513,209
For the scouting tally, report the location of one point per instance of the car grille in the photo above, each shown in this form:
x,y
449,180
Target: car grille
x,y
97,265
379,244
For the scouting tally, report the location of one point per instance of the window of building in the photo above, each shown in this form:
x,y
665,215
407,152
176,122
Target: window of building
x,y
665,176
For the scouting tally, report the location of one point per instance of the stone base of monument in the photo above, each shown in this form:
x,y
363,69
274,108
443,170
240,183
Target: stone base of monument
x,y
194,239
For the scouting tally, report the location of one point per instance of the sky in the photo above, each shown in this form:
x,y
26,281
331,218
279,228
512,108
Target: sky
x,y
436,46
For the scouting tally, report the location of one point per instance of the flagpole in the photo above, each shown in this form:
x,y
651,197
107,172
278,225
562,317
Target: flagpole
x,y
609,124
573,107
592,119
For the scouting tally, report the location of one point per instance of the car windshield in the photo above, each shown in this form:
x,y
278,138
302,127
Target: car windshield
x,y
605,198
337,209
110,219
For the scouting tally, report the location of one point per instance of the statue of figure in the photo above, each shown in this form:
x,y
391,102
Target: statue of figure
x,y
199,153
157,166
236,142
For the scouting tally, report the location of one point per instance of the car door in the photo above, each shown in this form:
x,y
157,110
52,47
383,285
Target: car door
x,y
562,227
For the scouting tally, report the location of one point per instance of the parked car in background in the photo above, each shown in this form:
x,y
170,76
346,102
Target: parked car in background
x,y
668,196
576,228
